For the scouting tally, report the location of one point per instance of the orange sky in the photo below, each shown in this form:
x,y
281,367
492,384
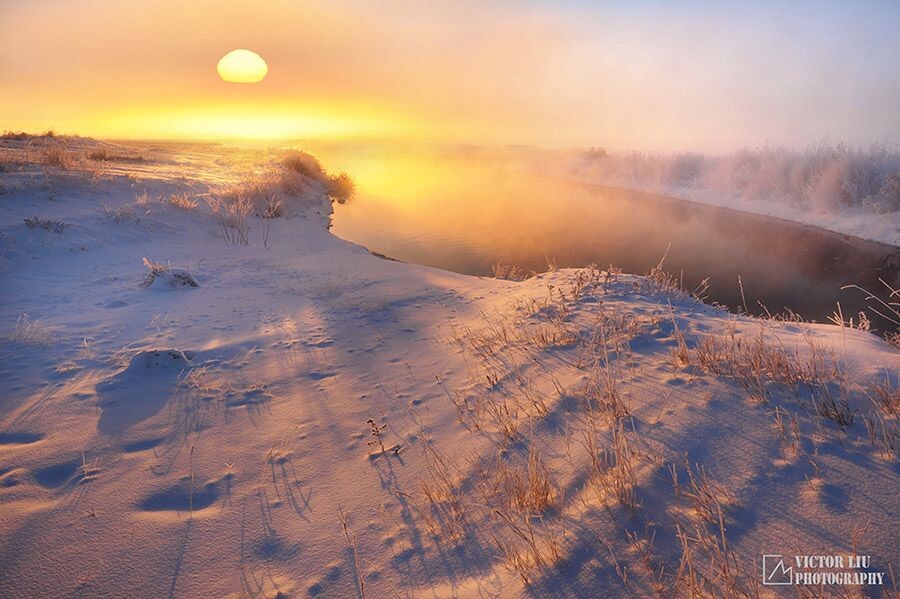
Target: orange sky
x,y
552,73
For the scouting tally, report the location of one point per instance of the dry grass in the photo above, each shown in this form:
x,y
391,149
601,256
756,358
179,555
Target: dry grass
x,y
274,208
708,566
612,468
883,423
339,187
516,506
893,339
520,356
522,501
886,305
511,272
442,499
62,152
281,186
503,416
518,359
276,193
106,155
886,394
527,549
46,224
759,362
120,214
31,331
20,135
835,408
232,218
183,200
58,156
352,546
529,488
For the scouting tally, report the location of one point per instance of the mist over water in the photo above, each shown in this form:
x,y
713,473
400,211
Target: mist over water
x,y
465,210
822,178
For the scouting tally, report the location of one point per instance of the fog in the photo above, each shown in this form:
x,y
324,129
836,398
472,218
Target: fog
x,y
629,76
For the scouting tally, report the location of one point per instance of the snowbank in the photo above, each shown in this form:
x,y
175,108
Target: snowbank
x,y
312,420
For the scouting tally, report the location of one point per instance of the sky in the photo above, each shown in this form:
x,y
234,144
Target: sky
x,y
639,75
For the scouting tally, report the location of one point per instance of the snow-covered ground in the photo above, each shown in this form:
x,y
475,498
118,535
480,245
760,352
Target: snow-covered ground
x,y
294,416
854,192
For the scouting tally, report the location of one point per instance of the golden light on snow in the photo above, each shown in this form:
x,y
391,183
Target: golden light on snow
x,y
242,66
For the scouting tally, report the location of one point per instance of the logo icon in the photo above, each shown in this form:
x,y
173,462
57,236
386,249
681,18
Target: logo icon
x,y
775,571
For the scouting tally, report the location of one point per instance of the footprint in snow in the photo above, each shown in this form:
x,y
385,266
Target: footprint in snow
x,y
19,438
318,376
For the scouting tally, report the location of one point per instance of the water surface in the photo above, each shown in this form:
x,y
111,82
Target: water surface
x,y
466,209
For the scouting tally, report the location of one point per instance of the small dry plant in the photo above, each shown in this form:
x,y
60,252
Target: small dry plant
x,y
46,224
156,269
888,307
376,431
183,200
511,272
441,498
351,545
886,394
761,362
120,214
232,219
528,547
708,566
59,156
529,488
883,422
274,208
31,331
521,499
612,468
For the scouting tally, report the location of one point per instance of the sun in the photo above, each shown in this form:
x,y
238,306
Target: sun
x,y
242,66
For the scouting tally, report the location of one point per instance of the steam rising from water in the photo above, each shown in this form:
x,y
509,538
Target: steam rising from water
x,y
465,210
821,178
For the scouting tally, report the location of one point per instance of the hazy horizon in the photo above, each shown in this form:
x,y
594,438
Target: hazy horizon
x,y
655,76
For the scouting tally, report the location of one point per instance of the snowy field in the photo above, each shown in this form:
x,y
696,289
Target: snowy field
x,y
204,393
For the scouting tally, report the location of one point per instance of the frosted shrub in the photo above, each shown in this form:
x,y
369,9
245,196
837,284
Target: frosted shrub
x,y
304,164
290,188
683,169
276,187
58,156
821,178
341,187
888,197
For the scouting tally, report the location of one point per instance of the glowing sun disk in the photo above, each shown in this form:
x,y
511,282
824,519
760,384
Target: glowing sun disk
x,y
242,66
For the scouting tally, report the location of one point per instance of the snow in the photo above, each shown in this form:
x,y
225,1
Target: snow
x,y
206,441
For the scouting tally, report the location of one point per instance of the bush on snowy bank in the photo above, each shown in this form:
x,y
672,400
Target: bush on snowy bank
x,y
287,189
